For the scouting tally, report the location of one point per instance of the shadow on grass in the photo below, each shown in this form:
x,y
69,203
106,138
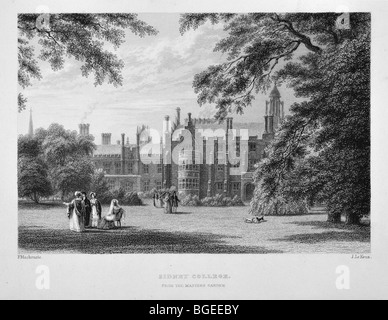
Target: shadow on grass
x,y
25,205
342,233
128,240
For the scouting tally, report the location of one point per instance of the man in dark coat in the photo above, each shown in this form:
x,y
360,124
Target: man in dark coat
x,y
88,209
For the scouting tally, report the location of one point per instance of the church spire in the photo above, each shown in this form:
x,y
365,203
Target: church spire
x,y
31,126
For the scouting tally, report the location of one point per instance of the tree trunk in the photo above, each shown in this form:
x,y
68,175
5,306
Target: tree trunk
x,y
334,217
352,219
36,198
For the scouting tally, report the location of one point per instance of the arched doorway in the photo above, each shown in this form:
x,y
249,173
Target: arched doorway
x,y
249,191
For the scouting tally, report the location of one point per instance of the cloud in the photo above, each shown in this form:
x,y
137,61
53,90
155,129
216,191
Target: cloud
x,y
158,77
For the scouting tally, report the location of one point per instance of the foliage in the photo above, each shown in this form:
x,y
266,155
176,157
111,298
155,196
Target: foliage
x,y
67,155
76,174
132,199
150,194
28,147
322,152
33,179
262,205
99,185
124,198
82,37
191,201
216,201
61,146
61,156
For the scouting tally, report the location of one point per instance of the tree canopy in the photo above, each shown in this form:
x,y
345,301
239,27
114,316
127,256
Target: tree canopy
x,y
55,160
255,45
322,151
78,36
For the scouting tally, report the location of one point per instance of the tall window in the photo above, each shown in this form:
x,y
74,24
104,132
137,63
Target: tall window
x,y
111,184
159,185
235,165
252,147
107,167
128,186
238,146
130,168
220,186
251,165
216,152
146,168
146,186
160,168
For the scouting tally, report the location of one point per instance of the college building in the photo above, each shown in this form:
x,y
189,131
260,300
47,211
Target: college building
x,y
205,168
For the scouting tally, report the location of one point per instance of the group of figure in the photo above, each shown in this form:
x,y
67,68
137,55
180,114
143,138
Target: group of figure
x,y
85,213
169,201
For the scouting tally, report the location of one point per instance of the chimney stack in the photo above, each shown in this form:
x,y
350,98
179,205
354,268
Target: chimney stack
x,y
84,129
167,124
106,139
178,111
229,123
123,154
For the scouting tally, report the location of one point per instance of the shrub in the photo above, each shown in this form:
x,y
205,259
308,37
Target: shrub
x,y
106,197
132,199
191,201
124,198
150,194
216,201
280,207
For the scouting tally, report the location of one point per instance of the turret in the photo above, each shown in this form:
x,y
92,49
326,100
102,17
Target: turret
x,y
31,126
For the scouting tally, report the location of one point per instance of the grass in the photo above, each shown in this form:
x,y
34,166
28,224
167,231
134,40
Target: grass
x,y
44,229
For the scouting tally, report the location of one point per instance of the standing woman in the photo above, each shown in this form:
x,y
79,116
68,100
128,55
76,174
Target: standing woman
x,y
88,209
96,210
76,213
175,202
167,199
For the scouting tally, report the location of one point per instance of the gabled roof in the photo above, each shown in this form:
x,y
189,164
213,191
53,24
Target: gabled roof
x,y
112,149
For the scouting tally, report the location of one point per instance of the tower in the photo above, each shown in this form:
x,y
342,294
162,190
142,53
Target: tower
x,y
31,126
84,129
123,153
178,116
274,112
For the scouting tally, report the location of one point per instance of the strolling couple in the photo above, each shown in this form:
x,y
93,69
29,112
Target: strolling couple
x,y
171,202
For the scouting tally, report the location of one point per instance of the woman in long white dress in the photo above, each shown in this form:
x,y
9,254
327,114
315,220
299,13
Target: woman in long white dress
x,y
114,216
96,210
76,213
167,201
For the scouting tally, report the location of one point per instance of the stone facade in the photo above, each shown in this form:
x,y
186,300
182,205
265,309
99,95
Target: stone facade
x,y
198,171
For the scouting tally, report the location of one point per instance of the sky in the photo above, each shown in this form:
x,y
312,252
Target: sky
x,y
158,76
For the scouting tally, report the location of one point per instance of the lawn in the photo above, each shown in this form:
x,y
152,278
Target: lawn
x,y
44,229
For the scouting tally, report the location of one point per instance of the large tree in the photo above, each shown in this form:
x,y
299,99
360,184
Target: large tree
x,y
68,157
33,180
327,138
79,36
54,160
